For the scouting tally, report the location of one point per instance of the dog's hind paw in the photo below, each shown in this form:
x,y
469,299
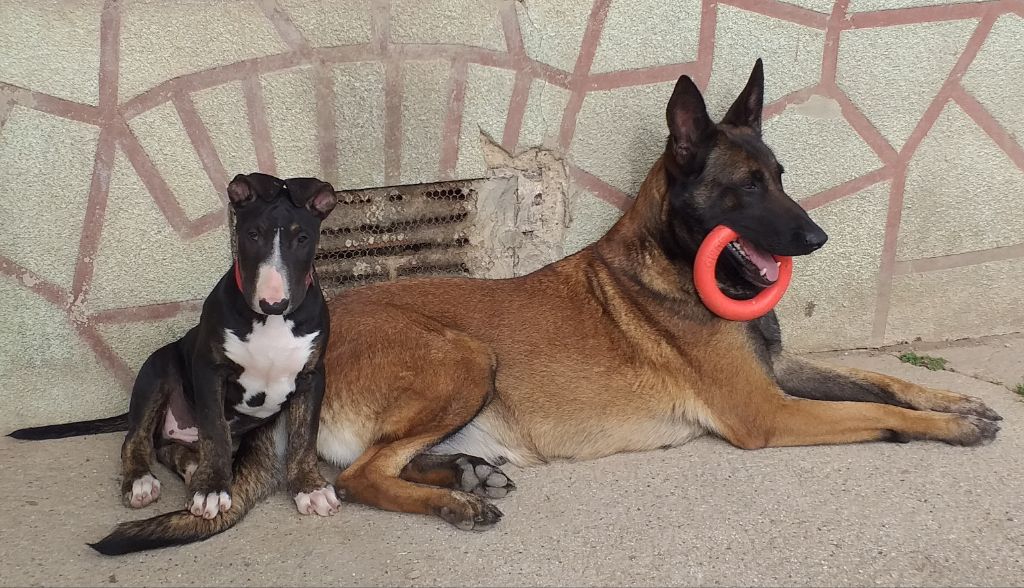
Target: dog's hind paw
x,y
469,512
145,491
323,502
483,479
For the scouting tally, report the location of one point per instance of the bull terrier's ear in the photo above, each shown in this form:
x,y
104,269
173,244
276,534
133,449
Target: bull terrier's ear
x,y
240,191
746,111
689,125
313,194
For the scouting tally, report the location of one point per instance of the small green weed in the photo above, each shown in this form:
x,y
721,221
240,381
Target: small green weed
x,y
1019,389
935,364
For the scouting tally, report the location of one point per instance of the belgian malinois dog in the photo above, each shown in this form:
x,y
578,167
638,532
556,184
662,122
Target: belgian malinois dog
x,y
608,350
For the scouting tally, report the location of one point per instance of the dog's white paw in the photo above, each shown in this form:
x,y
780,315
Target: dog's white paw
x,y
323,502
209,505
145,491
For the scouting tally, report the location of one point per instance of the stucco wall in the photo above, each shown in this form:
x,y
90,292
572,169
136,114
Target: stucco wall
x,y
900,123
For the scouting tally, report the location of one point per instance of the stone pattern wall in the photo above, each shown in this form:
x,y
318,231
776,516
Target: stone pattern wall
x,y
899,122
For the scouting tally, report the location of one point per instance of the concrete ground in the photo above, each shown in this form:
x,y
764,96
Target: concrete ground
x,y
701,514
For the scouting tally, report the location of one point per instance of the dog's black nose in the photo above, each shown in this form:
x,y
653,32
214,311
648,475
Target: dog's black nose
x,y
275,308
815,238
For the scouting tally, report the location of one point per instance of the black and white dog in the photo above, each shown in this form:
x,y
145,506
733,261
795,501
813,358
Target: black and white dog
x,y
257,350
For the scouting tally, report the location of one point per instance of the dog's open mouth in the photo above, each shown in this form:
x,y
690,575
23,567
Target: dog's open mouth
x,y
758,266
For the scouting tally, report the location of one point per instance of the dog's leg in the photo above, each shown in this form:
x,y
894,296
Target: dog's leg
x,y
180,459
374,480
767,418
459,472
155,383
806,379
306,484
209,491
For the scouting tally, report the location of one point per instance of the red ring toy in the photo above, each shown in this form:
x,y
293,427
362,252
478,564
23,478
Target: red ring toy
x,y
713,298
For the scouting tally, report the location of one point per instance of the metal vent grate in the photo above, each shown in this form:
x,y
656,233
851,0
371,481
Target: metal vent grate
x,y
380,234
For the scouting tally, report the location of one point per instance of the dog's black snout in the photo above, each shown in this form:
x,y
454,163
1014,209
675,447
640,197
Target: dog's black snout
x,y
275,308
815,238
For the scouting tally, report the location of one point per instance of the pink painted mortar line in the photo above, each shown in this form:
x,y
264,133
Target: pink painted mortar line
x,y
201,141
584,60
847,188
833,28
888,260
637,77
103,160
453,120
773,109
69,109
600,188
945,262
892,225
256,112
992,128
110,360
149,312
517,104
862,125
155,184
286,29
394,90
49,291
782,11
923,14
523,80
209,78
706,42
95,213
326,123
6,105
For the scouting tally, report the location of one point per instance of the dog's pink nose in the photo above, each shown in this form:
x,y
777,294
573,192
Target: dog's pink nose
x,y
270,285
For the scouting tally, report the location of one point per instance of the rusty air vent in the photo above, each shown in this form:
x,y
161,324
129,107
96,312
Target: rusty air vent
x,y
382,234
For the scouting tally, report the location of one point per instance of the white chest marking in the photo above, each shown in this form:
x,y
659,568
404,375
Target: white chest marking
x,y
271,356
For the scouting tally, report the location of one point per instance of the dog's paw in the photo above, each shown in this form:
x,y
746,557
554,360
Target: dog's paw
x,y
973,430
145,490
209,504
969,405
323,502
469,512
481,478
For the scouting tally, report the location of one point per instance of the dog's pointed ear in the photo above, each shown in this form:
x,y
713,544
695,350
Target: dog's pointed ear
x,y
689,125
746,111
241,191
313,194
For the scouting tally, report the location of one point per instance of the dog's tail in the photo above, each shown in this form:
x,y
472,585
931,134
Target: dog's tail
x,y
255,477
108,425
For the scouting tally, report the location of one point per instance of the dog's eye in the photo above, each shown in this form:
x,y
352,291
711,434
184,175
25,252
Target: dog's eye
x,y
751,186
302,239
254,235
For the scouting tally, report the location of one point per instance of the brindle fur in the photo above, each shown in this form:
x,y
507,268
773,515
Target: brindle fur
x,y
608,350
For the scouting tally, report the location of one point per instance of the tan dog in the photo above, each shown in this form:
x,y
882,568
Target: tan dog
x,y
608,350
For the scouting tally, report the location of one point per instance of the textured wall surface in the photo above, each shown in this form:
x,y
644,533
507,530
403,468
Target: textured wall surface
x,y
900,123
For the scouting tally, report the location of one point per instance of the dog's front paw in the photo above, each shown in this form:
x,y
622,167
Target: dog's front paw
x,y
323,502
468,512
973,430
970,405
145,490
209,504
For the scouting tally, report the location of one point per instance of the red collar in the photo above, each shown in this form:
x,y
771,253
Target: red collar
x,y
238,276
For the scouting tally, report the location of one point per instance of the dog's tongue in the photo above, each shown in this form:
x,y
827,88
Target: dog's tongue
x,y
762,259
